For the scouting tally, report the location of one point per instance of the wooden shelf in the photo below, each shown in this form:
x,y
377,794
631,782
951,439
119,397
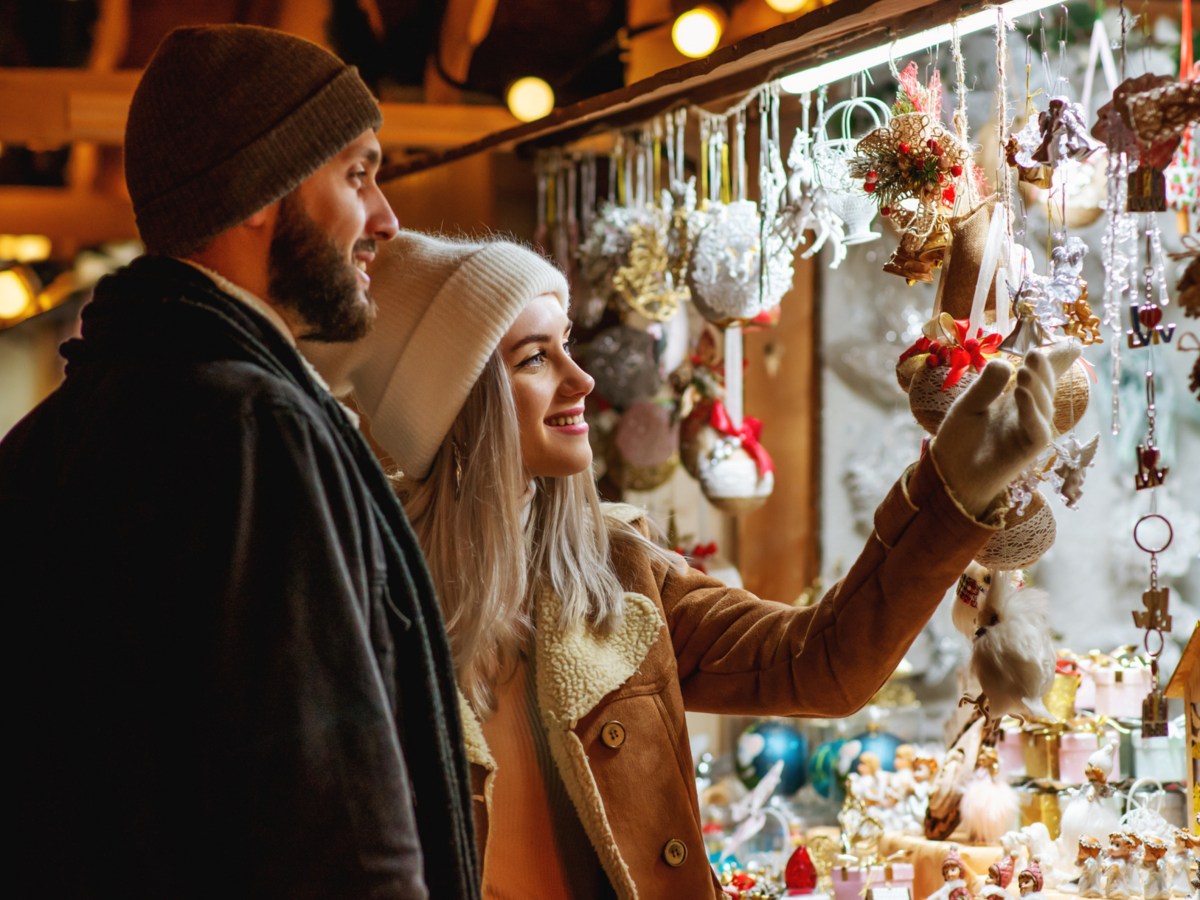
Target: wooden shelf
x,y
826,33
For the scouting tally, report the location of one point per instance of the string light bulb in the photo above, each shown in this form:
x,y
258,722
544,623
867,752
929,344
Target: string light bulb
x,y
789,6
16,294
697,32
530,98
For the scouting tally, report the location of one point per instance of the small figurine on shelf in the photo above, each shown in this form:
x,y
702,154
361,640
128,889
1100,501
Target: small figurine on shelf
x,y
954,882
866,782
1030,881
1156,874
999,876
1091,878
1180,861
800,874
1121,879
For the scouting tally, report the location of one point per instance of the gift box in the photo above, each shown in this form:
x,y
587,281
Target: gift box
x,y
1163,759
1039,804
1073,751
1010,752
1120,689
853,882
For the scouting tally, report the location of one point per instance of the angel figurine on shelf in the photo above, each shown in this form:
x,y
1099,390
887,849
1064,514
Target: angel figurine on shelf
x,y
1155,871
1121,879
999,876
1180,861
1091,880
1030,881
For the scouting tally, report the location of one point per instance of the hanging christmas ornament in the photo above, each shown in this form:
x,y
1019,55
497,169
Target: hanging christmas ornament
x,y
912,168
1071,462
622,362
738,474
1188,286
1024,537
644,452
831,158
941,365
1153,534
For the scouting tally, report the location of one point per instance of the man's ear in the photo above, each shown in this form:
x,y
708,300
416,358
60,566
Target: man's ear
x,y
264,218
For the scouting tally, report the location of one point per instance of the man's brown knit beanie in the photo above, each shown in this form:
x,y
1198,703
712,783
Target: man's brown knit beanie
x,y
226,120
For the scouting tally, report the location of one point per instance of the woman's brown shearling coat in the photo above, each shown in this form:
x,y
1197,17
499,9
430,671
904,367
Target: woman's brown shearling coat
x,y
723,650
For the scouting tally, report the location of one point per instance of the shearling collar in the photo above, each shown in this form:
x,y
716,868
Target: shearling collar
x,y
576,669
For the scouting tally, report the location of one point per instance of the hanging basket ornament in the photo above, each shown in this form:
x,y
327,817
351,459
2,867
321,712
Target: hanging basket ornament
x,y
940,365
831,158
644,452
621,360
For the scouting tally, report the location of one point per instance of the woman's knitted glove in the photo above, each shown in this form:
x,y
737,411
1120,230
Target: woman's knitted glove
x,y
990,435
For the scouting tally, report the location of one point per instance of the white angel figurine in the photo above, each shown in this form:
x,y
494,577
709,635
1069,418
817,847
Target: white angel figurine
x,y
1121,879
1179,862
999,876
1091,881
1156,874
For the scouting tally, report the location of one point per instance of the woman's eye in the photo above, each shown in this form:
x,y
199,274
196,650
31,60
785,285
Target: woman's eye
x,y
536,360
358,176
567,346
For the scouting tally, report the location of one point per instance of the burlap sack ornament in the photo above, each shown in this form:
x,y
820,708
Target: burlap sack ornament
x,y
644,452
969,234
928,400
1071,394
1024,538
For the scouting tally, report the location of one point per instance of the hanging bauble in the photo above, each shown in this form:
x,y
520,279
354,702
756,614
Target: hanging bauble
x,y
732,480
644,452
882,743
767,742
1022,540
929,400
823,770
723,275
621,360
1070,397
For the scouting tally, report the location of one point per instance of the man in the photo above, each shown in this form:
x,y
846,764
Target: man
x,y
230,676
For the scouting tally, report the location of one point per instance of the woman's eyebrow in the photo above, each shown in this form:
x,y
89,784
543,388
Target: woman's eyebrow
x,y
530,339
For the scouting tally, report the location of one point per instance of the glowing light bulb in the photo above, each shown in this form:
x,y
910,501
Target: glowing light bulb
x,y
14,294
697,32
789,6
530,98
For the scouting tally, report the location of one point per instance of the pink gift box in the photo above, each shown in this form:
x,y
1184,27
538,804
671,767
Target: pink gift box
x,y
1010,752
1120,690
851,883
1074,748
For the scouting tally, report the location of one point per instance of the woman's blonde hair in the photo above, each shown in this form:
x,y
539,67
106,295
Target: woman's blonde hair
x,y
492,547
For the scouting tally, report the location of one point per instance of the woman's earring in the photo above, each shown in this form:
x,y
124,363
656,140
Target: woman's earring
x,y
457,467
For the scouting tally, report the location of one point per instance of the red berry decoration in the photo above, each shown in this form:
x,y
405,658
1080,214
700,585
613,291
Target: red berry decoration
x,y
956,170
904,148
872,175
869,187
800,875
885,211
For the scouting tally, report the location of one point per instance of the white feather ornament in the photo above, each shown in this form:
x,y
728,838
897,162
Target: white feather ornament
x,y
1012,656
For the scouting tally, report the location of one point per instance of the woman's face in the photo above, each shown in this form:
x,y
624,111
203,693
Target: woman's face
x,y
548,390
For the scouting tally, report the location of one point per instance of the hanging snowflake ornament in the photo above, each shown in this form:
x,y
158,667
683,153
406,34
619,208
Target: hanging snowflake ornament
x,y
805,205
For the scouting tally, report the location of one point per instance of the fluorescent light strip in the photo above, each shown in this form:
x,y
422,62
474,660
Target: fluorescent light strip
x,y
807,80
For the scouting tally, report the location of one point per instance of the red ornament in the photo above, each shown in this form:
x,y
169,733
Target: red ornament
x,y
800,875
948,195
869,187
1149,315
743,881
934,147
904,148
956,170
872,175
885,211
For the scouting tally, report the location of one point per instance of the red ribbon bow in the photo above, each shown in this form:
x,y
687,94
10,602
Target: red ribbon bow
x,y
971,353
748,433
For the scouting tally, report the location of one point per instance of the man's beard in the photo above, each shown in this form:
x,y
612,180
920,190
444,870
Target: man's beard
x,y
310,276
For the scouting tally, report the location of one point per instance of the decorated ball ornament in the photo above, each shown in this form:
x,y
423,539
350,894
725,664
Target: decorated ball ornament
x,y
882,744
1024,537
1071,394
621,360
697,437
724,274
767,742
644,452
737,475
941,365
823,771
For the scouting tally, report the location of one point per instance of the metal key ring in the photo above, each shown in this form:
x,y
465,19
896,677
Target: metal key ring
x,y
1166,543
1161,643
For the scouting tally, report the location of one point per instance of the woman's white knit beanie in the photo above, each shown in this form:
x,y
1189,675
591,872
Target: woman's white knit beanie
x,y
443,306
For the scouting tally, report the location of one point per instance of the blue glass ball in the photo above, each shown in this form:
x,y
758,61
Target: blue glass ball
x,y
882,744
823,770
763,744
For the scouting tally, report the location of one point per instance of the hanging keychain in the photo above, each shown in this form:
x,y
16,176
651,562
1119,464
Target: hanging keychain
x,y
1155,619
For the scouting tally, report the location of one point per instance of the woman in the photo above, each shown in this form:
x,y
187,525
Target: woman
x,y
578,643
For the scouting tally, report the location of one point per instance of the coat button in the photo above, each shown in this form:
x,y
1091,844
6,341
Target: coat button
x,y
675,852
612,734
